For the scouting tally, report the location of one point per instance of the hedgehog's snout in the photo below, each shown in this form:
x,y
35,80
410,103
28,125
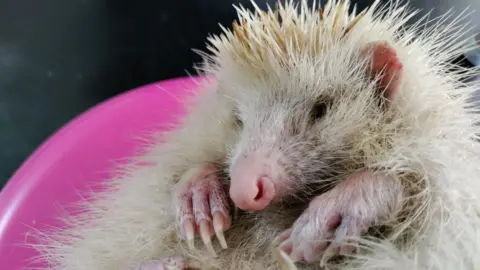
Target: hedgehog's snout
x,y
253,183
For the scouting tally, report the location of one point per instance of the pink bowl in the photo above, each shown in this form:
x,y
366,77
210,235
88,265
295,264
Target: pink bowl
x,y
79,155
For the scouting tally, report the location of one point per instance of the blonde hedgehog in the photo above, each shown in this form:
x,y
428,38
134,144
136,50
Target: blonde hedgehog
x,y
321,139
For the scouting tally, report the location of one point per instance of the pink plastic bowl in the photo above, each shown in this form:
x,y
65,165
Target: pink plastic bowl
x,y
77,156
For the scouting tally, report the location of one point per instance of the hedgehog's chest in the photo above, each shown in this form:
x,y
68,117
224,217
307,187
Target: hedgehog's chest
x,y
264,226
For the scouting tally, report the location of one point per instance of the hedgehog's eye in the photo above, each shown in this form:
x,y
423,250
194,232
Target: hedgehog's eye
x,y
238,120
318,111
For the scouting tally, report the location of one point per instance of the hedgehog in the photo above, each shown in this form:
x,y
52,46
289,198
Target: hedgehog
x,y
319,138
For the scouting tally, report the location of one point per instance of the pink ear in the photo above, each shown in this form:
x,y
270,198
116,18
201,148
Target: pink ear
x,y
384,62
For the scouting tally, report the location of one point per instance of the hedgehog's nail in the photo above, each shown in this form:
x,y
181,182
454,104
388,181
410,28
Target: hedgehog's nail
x,y
287,246
285,262
340,234
189,230
329,253
281,237
205,234
296,255
218,226
221,239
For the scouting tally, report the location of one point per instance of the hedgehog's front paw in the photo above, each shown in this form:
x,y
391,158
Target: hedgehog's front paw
x,y
334,221
313,233
167,263
202,206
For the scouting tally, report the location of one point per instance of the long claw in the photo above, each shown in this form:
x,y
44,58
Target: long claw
x,y
282,237
296,255
218,226
189,229
284,260
340,235
287,246
328,254
205,234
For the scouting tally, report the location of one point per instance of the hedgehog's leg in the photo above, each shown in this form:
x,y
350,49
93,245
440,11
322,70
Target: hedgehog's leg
x,y
202,206
334,220
385,63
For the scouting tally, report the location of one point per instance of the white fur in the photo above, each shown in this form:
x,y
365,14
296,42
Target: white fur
x,y
431,136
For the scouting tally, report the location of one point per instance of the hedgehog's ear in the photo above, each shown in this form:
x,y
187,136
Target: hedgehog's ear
x,y
384,63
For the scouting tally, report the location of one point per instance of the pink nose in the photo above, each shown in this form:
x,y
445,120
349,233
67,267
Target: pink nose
x,y
252,195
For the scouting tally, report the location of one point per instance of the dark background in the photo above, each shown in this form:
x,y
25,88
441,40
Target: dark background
x,y
60,57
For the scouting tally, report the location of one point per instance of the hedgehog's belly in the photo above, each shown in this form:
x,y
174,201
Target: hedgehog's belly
x,y
249,240
250,236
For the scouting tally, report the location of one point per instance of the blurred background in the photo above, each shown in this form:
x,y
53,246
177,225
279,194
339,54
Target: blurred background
x,y
58,58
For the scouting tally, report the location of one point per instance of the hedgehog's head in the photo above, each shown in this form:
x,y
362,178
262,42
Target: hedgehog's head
x,y
299,100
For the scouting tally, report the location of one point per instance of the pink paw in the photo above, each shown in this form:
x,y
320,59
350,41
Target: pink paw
x,y
167,263
202,206
334,220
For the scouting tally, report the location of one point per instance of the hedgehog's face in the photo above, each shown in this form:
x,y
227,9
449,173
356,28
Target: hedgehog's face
x,y
290,145
295,140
